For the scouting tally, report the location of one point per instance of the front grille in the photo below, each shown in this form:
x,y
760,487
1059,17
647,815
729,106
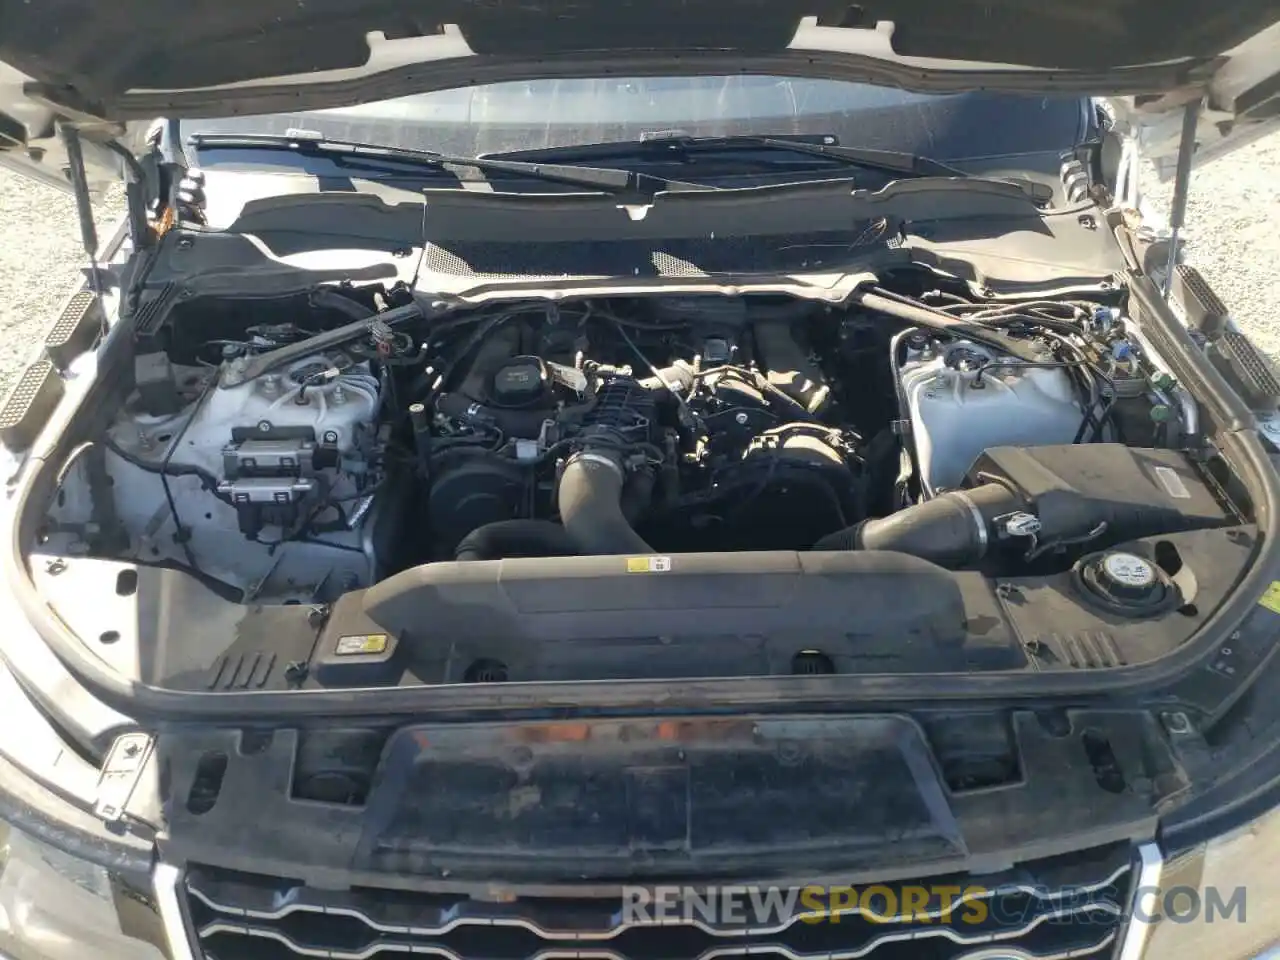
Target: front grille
x,y
1062,912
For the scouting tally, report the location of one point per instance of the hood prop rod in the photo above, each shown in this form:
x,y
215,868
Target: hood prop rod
x,y
1181,185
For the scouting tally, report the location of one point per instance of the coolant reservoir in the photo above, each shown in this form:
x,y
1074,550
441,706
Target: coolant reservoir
x,y
962,398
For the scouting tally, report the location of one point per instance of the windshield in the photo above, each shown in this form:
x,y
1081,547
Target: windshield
x,y
525,115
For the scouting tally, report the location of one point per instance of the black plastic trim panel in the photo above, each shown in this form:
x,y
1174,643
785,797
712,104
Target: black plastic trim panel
x,y
1093,780
75,329
30,403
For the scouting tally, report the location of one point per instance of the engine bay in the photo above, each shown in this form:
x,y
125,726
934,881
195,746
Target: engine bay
x,y
342,452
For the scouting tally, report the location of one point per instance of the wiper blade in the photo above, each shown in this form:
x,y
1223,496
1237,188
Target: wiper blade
x,y
374,156
888,161
675,146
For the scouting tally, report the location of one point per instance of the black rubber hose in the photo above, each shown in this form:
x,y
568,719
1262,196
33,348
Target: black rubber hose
x,y
515,538
590,501
933,319
790,369
785,312
951,530
326,298
637,494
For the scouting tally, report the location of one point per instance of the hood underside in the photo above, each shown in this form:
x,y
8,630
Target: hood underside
x,y
100,66
129,58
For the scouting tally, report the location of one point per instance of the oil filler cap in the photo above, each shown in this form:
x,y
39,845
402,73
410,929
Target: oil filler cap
x,y
1125,583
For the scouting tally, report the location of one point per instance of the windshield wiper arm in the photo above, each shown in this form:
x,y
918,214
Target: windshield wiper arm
x,y
354,153
676,145
889,161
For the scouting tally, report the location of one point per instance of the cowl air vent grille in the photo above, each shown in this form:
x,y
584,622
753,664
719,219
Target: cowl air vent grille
x,y
687,257
1076,911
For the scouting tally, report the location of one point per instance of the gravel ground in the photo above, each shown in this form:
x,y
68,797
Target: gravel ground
x,y
1234,236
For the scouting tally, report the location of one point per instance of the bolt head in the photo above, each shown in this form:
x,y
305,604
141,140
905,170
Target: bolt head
x,y
741,418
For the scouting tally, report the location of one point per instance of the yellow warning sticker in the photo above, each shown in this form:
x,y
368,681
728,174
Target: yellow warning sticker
x,y
1271,597
648,564
364,643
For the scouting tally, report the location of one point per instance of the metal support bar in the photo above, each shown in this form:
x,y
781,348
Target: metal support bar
x,y
1181,184
80,185
84,206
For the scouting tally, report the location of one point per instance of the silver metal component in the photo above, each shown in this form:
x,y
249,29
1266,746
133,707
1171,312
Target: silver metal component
x,y
527,451
268,405
267,489
741,418
359,511
588,456
260,920
121,772
952,422
166,879
979,524
1147,890
250,458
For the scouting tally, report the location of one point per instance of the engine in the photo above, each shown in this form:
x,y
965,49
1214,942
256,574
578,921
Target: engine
x,y
635,426
682,422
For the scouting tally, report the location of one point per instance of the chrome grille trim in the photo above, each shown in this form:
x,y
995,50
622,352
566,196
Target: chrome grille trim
x,y
1134,944
779,950
619,926
167,881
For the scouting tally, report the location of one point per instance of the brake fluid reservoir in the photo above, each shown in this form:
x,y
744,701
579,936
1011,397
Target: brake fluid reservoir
x,y
964,398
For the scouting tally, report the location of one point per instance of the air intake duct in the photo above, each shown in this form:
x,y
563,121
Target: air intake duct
x,y
590,496
952,530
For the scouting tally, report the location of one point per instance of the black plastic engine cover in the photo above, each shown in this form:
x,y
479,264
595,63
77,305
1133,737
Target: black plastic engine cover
x,y
694,614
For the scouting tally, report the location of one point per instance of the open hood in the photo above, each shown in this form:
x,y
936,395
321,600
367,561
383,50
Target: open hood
x,y
101,66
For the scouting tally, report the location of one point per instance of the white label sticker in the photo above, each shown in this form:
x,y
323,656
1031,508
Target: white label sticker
x,y
659,564
1172,483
